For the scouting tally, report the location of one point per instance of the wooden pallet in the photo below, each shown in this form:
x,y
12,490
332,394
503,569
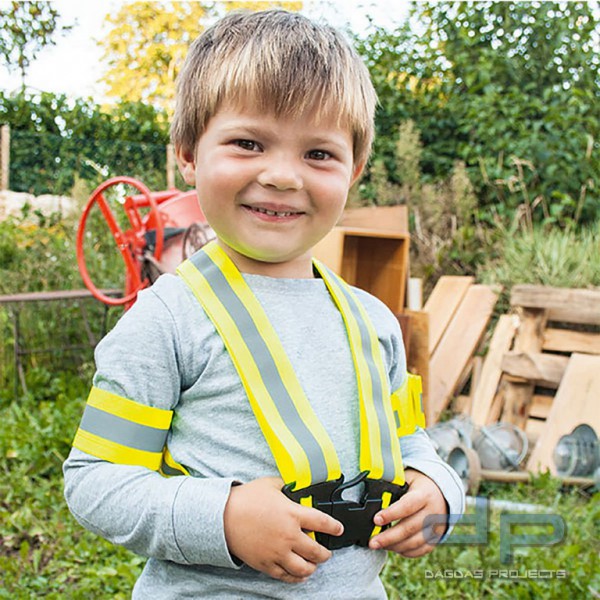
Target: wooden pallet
x,y
529,358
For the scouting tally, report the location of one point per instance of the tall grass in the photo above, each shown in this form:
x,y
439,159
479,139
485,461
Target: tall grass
x,y
552,257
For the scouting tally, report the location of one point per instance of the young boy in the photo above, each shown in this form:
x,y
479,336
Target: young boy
x,y
256,374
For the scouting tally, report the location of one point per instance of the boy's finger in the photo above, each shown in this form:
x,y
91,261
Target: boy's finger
x,y
296,566
278,572
406,529
408,505
312,519
310,550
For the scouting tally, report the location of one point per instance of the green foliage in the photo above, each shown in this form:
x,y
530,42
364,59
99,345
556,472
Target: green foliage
x,y
487,81
56,141
577,554
447,233
40,257
25,29
43,551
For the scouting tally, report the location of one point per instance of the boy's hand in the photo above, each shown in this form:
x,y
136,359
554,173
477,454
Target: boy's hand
x,y
266,530
407,537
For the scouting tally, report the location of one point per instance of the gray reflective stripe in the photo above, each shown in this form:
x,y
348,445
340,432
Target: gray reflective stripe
x,y
389,471
266,364
167,470
121,431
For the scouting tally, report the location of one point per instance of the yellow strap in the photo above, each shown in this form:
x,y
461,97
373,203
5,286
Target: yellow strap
x,y
292,461
284,366
372,449
130,410
115,453
215,281
386,498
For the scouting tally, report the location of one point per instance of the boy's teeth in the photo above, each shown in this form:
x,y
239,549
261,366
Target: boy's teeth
x,y
273,213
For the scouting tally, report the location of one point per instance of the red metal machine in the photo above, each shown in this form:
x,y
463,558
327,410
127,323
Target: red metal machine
x,y
172,228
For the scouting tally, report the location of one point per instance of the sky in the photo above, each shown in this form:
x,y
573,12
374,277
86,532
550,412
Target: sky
x,y
73,66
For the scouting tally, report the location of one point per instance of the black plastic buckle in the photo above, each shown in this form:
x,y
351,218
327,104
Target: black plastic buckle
x,y
357,517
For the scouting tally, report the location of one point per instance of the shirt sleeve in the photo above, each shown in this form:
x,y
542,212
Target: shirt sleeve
x,y
419,454
179,518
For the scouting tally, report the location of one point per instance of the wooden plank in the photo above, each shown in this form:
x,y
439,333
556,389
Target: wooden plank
x,y
525,477
497,406
486,389
55,296
458,344
576,402
461,405
564,340
418,353
542,369
405,326
475,379
384,218
518,395
442,303
540,406
534,428
563,304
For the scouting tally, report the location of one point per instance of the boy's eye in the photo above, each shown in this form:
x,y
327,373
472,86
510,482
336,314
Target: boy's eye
x,y
319,155
247,145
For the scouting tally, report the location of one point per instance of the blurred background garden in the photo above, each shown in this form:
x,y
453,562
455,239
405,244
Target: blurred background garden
x,y
488,130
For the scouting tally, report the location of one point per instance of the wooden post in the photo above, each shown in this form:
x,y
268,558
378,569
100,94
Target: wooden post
x,y
171,165
4,157
529,338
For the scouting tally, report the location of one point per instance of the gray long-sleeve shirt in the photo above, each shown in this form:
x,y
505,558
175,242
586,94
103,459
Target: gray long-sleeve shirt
x,y
164,352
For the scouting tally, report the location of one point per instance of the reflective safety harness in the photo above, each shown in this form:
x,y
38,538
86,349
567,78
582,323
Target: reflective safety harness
x,y
130,433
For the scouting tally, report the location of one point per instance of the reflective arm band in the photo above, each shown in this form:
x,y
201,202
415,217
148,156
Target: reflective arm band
x,y
407,405
122,431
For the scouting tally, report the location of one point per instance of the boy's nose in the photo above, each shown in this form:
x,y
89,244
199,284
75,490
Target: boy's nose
x,y
280,173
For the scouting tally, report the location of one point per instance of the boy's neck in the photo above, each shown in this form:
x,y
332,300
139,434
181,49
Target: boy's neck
x,y
297,268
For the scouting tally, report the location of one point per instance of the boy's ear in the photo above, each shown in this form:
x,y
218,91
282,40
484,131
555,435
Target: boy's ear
x,y
187,165
357,172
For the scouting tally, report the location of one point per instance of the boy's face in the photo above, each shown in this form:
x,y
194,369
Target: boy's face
x,y
271,187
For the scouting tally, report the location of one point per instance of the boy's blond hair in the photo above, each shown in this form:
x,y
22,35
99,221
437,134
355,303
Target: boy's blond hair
x,y
278,62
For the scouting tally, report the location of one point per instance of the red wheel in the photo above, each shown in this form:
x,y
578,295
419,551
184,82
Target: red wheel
x,y
131,243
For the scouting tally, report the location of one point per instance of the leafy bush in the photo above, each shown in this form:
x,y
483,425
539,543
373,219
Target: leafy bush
x,y
54,140
484,82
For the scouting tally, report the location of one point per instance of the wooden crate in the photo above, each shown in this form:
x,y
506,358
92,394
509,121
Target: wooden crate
x,y
371,259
